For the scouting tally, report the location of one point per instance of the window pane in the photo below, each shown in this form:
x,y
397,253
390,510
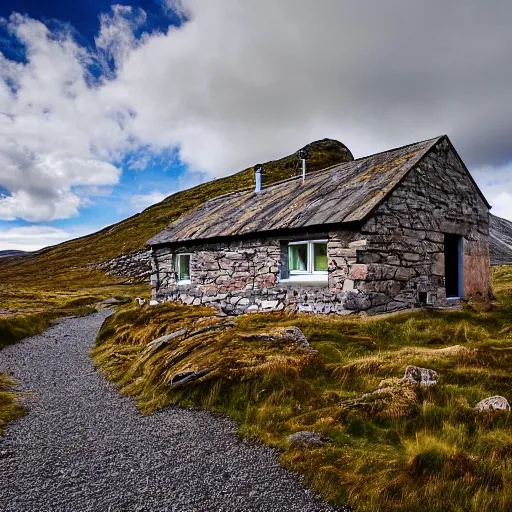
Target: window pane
x,y
184,267
320,257
298,257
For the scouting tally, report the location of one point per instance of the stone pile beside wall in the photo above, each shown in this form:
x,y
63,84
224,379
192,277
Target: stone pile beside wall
x,y
135,266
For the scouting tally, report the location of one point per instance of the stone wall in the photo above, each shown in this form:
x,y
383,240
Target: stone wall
x,y
404,252
383,266
244,276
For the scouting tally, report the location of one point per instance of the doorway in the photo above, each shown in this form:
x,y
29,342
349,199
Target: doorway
x,y
453,266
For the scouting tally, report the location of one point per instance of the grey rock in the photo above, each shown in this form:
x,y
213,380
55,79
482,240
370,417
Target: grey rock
x,y
493,403
307,439
295,335
158,342
290,334
421,376
183,378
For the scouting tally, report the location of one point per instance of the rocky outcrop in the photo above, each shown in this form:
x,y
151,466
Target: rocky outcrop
x,y
500,240
420,376
182,378
493,403
290,334
158,342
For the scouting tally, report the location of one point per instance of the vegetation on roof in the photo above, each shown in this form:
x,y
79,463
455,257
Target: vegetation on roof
x,y
406,448
345,192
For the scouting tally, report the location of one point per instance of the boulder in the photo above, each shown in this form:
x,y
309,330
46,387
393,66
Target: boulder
x,y
294,334
307,439
421,376
140,301
493,403
153,302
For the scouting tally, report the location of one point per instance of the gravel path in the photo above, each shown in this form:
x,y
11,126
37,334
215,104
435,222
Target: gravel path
x,y
83,447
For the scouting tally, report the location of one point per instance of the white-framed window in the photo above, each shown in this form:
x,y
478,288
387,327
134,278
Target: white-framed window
x,y
182,267
307,259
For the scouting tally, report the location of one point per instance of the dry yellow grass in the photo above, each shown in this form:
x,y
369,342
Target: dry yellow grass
x,y
403,448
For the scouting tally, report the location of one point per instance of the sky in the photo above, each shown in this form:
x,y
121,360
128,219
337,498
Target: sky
x,y
108,108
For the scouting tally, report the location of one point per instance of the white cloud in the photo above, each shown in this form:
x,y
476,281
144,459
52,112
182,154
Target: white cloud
x,y
55,133
142,201
33,238
116,38
242,82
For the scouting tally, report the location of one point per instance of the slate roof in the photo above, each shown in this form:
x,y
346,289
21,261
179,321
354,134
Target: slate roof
x,y
342,193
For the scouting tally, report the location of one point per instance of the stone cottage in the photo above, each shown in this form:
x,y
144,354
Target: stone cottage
x,y
400,229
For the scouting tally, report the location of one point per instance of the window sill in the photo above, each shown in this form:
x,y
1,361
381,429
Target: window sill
x,y
183,282
310,280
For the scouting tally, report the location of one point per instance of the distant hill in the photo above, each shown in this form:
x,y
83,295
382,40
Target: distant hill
x,y
5,254
500,241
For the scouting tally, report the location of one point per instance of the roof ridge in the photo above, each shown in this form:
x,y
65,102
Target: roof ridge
x,y
318,171
325,169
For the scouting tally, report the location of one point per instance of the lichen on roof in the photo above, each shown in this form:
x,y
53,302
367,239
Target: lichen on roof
x,y
345,192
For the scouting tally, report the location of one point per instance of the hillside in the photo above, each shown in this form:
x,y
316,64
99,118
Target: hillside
x,y
72,268
6,254
500,241
71,264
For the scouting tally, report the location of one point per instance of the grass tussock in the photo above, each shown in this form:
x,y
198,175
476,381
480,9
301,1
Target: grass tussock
x,y
394,450
9,407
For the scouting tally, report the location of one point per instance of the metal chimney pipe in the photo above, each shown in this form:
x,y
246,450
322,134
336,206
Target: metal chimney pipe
x,y
303,155
258,171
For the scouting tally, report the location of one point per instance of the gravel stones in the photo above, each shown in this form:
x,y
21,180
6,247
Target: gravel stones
x,y
84,447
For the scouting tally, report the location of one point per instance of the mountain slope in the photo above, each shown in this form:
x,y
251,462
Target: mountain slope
x,y
6,254
500,240
73,264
